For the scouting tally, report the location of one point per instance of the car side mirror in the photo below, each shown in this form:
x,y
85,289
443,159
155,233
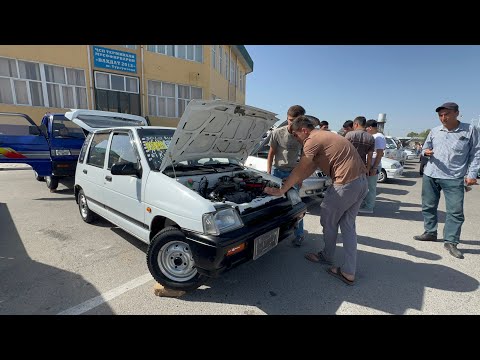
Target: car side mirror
x,y
126,169
33,130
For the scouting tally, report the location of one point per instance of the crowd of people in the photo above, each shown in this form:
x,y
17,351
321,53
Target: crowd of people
x,y
353,161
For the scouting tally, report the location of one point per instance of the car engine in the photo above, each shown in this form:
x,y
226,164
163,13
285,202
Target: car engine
x,y
241,188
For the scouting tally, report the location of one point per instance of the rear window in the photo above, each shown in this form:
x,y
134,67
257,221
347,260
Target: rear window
x,y
84,148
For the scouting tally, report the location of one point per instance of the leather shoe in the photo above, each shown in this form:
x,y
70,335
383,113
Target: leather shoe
x,y
426,237
452,249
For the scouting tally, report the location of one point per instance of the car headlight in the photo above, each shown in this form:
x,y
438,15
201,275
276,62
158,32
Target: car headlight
x,y
60,152
396,165
221,221
294,196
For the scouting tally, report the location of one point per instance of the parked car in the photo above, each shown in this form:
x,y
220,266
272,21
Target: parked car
x,y
391,169
185,191
410,154
51,149
394,150
315,185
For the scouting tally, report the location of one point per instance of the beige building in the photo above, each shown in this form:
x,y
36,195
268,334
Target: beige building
x,y
148,80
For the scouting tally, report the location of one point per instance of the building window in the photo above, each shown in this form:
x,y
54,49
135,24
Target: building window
x,y
214,56
117,93
220,59
187,52
240,78
38,84
227,59
170,100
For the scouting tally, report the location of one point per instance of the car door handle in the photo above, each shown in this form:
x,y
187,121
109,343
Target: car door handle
x,y
108,178
85,171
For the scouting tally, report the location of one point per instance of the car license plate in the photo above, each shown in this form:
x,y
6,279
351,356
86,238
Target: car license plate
x,y
265,243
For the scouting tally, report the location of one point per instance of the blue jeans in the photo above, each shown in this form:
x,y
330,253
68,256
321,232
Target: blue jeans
x,y
283,174
369,201
453,190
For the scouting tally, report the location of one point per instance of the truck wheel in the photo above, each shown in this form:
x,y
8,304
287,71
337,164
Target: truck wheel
x,y
52,182
87,215
170,261
39,178
382,176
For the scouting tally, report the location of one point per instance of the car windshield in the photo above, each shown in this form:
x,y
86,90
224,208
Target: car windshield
x,y
155,143
64,128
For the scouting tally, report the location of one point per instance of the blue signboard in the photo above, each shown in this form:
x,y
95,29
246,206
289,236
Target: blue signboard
x,y
114,59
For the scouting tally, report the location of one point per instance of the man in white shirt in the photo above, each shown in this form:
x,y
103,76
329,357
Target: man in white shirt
x,y
380,144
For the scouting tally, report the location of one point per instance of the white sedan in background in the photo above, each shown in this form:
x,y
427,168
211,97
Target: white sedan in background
x,y
411,154
391,169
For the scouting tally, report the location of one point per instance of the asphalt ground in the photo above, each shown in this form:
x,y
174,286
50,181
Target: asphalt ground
x,y
51,262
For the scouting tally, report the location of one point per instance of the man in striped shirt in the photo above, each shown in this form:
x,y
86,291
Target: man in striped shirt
x,y
453,149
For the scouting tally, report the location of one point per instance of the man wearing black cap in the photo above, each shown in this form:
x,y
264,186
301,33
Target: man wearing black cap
x,y
453,149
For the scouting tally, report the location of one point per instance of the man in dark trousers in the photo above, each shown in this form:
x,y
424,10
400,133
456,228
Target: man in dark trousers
x,y
453,149
337,158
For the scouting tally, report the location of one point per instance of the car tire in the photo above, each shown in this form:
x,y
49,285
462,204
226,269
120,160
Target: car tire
x,y
382,176
170,261
38,177
87,215
52,182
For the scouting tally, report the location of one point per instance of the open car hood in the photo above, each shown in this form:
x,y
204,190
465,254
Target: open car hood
x,y
217,129
92,120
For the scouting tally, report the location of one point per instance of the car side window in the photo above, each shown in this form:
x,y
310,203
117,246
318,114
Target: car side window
x,y
83,151
121,150
98,149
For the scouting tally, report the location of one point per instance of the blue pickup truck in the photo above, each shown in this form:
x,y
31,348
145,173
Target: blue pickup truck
x,y
51,149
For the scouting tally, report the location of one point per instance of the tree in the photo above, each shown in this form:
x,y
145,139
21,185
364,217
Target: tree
x,y
412,134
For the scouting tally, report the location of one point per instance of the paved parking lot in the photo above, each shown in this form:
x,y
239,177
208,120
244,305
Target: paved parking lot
x,y
51,262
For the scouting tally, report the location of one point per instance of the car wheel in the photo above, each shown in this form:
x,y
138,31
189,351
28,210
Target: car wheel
x,y
382,176
170,261
38,177
87,215
52,182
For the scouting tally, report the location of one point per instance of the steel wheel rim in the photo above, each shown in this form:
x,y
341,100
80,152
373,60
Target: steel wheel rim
x,y
381,177
83,206
175,260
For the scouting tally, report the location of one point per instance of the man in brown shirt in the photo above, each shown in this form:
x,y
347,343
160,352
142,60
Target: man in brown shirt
x,y
362,140
337,158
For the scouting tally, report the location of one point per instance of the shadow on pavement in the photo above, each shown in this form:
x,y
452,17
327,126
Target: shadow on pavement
x,y
30,287
283,282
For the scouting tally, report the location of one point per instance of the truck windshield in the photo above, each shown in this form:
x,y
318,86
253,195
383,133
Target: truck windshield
x,y
64,128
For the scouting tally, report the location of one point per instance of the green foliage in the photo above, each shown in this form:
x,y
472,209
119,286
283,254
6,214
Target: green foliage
x,y
422,135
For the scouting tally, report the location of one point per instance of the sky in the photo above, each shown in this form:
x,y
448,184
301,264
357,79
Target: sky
x,y
339,82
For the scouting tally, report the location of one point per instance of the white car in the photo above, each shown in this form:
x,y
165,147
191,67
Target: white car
x,y
391,169
410,154
315,185
185,191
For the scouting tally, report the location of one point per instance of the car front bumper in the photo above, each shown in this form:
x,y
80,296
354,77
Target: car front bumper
x,y
394,173
210,251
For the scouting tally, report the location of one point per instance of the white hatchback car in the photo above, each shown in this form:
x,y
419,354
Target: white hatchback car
x,y
185,191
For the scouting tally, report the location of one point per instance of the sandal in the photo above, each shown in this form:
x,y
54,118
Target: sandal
x,y
317,258
338,274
